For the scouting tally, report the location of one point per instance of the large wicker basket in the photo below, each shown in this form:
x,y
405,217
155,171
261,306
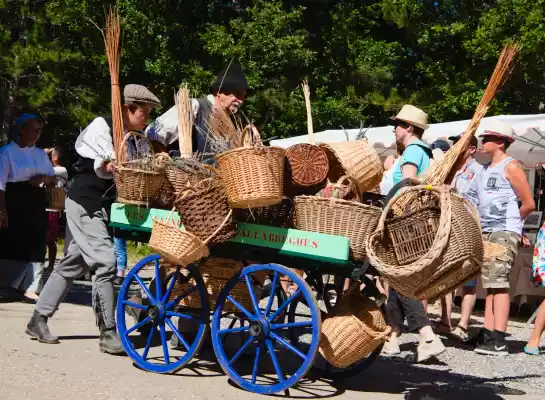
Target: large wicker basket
x,y
56,198
431,249
203,208
307,165
135,185
356,159
252,176
338,217
353,330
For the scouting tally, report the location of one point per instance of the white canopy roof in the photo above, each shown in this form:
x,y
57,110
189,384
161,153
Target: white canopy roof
x,y
529,148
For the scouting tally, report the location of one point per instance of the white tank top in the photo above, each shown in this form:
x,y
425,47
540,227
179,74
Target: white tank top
x,y
387,182
498,201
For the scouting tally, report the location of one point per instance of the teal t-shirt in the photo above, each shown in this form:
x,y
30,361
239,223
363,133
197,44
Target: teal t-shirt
x,y
416,155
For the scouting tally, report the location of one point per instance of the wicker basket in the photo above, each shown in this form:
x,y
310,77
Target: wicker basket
x,y
179,246
352,331
307,165
356,159
277,215
252,176
432,249
135,185
338,217
56,197
203,209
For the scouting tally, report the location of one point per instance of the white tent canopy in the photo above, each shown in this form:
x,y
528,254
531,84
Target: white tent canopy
x,y
529,148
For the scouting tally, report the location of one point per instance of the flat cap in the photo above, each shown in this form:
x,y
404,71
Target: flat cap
x,y
140,94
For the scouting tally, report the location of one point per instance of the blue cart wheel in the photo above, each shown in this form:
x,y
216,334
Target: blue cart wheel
x,y
274,364
158,316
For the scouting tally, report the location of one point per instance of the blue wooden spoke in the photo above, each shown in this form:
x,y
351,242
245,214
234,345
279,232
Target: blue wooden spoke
x,y
271,296
135,305
177,300
138,325
285,304
158,281
287,345
274,360
163,333
145,289
179,315
291,325
249,315
256,364
148,343
241,350
234,330
173,280
250,286
178,334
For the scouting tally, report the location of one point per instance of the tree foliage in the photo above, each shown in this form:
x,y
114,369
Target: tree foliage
x,y
363,59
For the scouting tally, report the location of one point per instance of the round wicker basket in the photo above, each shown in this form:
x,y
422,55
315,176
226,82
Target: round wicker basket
x,y
307,165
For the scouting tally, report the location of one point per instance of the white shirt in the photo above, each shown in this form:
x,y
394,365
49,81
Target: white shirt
x,y
95,142
62,176
165,128
20,164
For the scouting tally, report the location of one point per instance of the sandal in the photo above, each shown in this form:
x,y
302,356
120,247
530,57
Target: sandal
x,y
531,351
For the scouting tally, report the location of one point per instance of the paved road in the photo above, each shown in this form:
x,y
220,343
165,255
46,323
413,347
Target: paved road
x,y
75,369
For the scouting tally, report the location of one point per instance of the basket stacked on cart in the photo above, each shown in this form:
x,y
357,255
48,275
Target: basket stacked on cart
x,y
430,249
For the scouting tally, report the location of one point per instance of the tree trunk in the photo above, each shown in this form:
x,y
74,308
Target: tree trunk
x,y
7,114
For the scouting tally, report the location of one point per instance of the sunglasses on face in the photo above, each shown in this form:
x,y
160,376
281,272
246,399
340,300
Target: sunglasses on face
x,y
401,124
488,139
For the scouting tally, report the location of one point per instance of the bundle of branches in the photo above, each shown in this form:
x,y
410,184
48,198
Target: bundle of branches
x,y
113,51
444,171
221,133
192,166
185,121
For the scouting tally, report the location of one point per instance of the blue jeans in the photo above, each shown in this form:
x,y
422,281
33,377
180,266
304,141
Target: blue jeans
x,y
120,249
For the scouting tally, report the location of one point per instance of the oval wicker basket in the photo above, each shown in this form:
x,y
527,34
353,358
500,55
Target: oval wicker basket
x,y
252,177
56,198
203,208
308,165
334,216
353,330
430,250
135,185
356,159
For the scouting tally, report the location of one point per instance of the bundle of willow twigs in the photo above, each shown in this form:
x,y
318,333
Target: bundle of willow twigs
x,y
220,132
444,171
185,122
113,51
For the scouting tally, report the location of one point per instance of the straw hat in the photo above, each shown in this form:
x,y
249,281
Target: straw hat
x,y
413,115
499,129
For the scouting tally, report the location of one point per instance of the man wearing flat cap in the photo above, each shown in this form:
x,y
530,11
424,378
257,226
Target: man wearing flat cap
x,y
228,93
89,197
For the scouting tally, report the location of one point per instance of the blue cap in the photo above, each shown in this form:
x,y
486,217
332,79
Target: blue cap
x,y
440,144
19,122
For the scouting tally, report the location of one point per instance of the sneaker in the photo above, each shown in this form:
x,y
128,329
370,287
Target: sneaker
x,y
427,350
460,334
481,338
118,280
492,348
391,347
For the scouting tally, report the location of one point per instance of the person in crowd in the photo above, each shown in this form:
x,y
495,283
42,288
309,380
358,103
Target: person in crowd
x,y
410,124
228,93
24,169
54,216
538,267
89,197
390,163
439,148
496,193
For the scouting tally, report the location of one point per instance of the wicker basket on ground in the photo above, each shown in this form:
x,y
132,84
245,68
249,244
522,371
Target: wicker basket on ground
x,y
430,249
252,176
354,329
356,159
335,216
137,181
203,208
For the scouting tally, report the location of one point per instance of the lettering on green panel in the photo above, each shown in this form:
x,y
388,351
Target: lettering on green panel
x,y
139,218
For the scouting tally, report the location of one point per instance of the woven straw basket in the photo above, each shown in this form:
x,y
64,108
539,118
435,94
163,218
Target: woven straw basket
x,y
135,185
307,165
277,215
354,329
203,209
356,159
431,249
176,180
178,246
56,197
252,176
338,217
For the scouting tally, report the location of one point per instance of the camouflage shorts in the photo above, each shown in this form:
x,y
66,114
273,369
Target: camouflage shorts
x,y
495,272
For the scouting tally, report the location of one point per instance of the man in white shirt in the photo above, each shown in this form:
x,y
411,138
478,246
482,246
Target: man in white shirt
x,y
87,208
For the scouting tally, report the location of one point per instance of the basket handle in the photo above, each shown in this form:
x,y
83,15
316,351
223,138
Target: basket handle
x,y
225,220
170,215
353,186
306,93
210,168
122,148
245,131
